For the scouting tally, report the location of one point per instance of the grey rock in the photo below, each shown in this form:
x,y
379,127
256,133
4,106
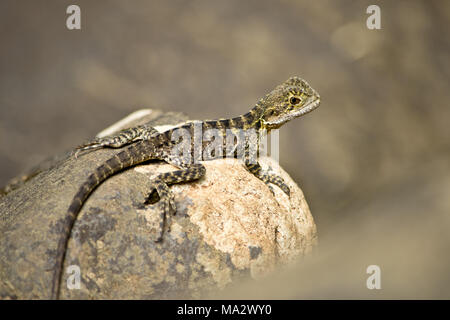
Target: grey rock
x,y
228,226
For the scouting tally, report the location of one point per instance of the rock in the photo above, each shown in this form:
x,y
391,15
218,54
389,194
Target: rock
x,y
228,225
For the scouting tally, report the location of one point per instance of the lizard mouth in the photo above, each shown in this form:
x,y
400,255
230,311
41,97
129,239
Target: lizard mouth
x,y
312,103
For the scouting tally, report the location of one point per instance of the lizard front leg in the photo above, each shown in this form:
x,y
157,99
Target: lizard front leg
x,y
255,168
120,139
166,204
268,178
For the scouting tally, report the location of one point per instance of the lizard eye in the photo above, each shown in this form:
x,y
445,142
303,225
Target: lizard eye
x,y
295,100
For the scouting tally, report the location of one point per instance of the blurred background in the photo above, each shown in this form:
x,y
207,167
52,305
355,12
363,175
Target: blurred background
x,y
373,160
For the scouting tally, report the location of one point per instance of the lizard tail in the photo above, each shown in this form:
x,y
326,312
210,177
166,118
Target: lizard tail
x,y
124,159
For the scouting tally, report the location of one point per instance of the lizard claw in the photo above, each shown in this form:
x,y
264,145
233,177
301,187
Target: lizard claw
x,y
271,189
75,153
286,190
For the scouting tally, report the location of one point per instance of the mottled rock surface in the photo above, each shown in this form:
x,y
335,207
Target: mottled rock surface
x,y
228,226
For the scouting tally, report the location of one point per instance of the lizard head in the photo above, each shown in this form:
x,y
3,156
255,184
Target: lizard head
x,y
291,99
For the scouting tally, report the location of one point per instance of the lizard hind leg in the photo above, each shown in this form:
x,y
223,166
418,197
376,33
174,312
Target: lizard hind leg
x,y
119,139
166,206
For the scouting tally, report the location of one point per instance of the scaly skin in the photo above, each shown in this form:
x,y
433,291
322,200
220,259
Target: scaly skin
x,y
289,100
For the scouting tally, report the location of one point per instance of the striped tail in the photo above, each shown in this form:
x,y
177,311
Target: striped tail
x,y
134,154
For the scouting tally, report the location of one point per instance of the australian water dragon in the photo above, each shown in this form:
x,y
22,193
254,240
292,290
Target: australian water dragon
x,y
289,100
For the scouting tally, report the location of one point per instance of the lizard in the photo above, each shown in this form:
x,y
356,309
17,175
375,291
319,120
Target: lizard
x,y
291,99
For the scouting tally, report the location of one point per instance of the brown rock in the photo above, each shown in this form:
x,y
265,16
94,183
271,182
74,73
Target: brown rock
x,y
228,225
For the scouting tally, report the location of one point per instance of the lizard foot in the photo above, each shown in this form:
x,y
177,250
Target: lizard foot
x,y
95,144
270,179
165,207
